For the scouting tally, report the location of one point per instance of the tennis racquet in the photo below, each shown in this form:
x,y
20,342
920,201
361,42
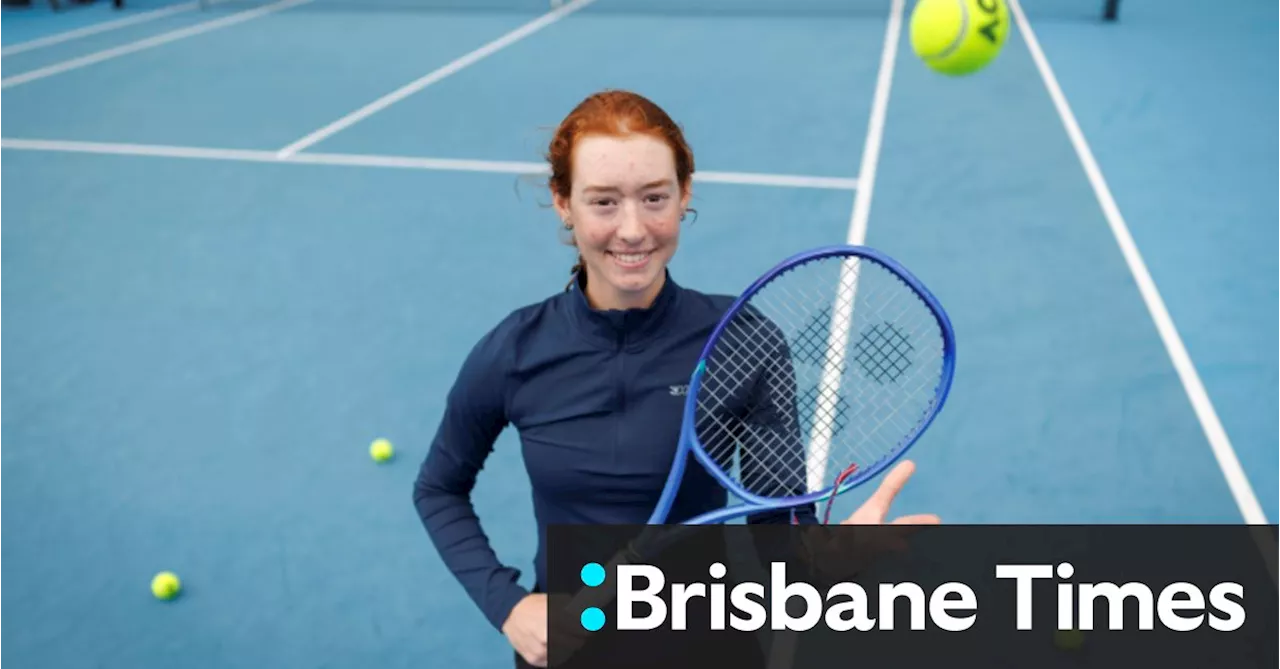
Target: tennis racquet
x,y
821,374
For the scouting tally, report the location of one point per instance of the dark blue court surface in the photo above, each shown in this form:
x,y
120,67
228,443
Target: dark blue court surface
x,y
242,241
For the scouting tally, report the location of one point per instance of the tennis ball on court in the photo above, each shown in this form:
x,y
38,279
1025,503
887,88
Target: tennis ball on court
x,y
165,585
381,450
1068,639
957,37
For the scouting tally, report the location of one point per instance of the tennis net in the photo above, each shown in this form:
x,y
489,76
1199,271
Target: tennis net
x,y
1070,9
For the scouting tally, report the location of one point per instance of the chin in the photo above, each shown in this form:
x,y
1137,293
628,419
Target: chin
x,y
633,283
632,287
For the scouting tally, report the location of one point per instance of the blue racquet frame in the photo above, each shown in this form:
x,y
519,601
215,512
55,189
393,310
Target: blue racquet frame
x,y
756,503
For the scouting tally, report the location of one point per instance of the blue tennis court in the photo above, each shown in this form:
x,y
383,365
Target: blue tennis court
x,y
244,239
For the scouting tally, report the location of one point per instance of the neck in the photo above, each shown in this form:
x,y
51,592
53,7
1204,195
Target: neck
x,y
605,299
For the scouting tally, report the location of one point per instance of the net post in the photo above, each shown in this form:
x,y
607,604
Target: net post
x,y
1112,10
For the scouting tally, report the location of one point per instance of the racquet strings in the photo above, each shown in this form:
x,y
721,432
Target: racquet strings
x,y
830,366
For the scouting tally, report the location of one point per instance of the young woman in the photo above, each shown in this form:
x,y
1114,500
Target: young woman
x,y
591,376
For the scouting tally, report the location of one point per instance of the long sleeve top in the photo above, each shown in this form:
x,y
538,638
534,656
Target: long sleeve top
x,y
597,398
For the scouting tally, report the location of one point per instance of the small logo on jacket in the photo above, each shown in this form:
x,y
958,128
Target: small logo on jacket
x,y
680,391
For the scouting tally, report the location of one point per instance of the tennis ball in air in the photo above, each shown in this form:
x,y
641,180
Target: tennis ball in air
x,y
166,585
381,450
1068,639
958,37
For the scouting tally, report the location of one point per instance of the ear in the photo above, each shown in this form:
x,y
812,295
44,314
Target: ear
x,y
685,197
562,206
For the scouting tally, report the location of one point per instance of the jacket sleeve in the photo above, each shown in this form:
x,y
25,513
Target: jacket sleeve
x,y
773,452
474,416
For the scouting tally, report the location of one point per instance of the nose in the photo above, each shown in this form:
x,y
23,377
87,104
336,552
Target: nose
x,y
631,227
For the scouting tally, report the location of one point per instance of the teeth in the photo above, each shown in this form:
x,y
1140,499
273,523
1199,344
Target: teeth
x,y
631,258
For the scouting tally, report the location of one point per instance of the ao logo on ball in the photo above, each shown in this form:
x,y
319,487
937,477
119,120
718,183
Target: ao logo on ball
x,y
958,37
992,22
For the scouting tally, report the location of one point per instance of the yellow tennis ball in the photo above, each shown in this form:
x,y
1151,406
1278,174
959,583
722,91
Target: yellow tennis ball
x,y
958,37
166,585
381,450
1068,639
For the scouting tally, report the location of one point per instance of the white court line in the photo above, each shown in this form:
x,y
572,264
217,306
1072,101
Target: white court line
x,y
783,647
431,78
395,162
97,28
840,325
153,41
408,162
1213,429
833,183
156,150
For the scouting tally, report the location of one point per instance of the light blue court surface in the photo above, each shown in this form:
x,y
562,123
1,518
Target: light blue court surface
x,y
203,338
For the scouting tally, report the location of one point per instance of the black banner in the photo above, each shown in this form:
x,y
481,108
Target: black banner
x,y
990,596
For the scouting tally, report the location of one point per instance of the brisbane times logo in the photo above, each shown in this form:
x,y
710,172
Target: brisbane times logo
x,y
641,598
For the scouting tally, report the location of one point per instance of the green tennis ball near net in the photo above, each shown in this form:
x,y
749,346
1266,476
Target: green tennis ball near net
x,y
958,37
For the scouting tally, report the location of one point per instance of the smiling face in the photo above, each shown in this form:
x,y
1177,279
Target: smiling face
x,y
624,210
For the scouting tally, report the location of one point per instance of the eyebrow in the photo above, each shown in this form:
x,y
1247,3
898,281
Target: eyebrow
x,y
614,189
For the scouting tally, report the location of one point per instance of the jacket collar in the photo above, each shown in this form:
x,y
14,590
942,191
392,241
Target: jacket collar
x,y
622,327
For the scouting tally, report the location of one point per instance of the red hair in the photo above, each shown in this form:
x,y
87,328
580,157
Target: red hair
x,y
616,114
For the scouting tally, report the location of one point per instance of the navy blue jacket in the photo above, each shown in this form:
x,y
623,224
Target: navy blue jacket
x,y
597,398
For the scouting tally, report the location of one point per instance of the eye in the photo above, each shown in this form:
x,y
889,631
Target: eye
x,y
656,198
602,202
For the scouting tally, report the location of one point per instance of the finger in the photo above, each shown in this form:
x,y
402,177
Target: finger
x,y
873,511
918,519
892,484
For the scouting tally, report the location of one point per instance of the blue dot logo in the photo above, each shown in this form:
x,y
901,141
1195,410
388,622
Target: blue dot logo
x,y
592,574
592,619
